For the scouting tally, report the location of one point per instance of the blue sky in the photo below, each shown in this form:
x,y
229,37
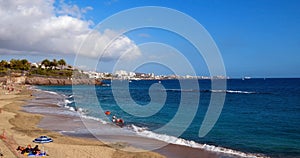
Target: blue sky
x,y
258,38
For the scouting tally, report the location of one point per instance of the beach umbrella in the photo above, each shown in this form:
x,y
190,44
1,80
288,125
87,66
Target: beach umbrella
x,y
42,140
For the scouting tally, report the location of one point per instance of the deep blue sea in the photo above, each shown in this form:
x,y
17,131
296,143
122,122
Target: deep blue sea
x,y
259,116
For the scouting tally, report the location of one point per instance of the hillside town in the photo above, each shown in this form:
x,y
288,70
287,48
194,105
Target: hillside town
x,y
127,75
60,69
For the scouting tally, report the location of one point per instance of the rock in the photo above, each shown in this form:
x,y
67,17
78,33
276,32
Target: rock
x,y
60,81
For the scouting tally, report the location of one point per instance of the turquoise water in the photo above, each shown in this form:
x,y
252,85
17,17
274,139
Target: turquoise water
x,y
260,116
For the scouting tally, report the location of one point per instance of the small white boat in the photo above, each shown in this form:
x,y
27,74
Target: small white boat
x,y
246,78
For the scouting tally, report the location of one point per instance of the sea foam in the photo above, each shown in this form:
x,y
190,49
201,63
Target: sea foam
x,y
213,91
143,131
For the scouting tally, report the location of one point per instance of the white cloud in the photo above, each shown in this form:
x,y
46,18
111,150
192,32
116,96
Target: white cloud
x,y
37,26
71,9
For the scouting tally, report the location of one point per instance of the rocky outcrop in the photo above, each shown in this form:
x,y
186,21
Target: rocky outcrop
x,y
60,81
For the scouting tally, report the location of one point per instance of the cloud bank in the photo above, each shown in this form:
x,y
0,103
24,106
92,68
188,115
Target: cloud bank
x,y
39,26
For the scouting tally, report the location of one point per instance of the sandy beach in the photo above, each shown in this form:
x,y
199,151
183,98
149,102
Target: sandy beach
x,y
20,128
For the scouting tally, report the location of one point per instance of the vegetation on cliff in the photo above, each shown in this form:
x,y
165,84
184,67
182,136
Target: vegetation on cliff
x,y
54,68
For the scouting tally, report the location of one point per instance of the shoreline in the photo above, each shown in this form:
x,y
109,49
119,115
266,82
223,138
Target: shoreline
x,y
66,124
171,150
21,128
128,147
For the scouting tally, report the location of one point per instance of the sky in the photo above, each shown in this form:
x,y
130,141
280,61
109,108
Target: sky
x,y
257,38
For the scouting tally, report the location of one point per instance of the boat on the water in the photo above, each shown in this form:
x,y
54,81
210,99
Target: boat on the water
x,y
246,78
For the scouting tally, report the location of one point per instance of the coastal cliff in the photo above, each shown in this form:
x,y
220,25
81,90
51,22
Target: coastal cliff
x,y
50,81
58,81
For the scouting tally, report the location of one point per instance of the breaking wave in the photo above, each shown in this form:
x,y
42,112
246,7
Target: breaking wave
x,y
232,91
143,131
213,91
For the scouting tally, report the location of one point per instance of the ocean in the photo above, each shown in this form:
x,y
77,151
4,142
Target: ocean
x,y
260,117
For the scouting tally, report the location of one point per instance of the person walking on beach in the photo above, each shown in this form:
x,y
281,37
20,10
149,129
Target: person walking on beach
x,y
114,119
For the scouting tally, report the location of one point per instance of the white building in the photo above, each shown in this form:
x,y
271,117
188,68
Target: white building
x,y
120,73
93,74
131,74
34,65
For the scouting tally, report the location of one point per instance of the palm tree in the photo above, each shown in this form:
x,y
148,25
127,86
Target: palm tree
x,y
25,65
24,61
46,63
53,63
3,63
62,63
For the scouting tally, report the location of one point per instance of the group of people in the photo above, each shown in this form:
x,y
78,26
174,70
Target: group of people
x,y
9,88
118,121
28,150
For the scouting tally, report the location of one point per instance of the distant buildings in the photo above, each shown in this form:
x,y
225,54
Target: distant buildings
x,y
124,75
